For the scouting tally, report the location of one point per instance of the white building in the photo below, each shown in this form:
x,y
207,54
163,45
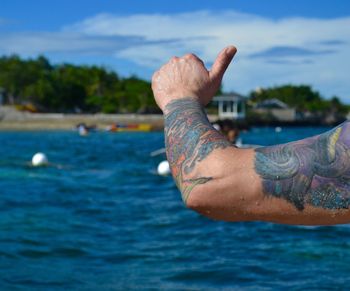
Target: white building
x,y
231,106
276,108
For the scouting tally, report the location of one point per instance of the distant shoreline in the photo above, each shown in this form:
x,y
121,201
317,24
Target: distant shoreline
x,y
52,121
12,120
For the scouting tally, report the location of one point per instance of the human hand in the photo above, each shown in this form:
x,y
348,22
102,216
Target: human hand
x,y
188,77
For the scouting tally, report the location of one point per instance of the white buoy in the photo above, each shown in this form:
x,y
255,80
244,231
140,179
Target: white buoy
x,y
39,159
278,129
163,168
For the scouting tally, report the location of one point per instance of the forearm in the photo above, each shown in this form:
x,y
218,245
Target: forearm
x,y
189,140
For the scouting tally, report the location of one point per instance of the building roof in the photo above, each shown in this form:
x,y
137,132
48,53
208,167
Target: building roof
x,y
233,96
272,103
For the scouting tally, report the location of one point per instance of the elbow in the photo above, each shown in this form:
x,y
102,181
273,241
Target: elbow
x,y
199,203
202,200
215,202
195,201
198,200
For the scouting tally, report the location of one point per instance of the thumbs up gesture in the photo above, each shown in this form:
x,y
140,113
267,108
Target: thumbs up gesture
x,y
188,77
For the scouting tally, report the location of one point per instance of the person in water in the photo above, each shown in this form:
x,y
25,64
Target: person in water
x,y
302,182
229,130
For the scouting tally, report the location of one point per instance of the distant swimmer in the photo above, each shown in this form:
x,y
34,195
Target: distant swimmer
x,y
84,129
303,182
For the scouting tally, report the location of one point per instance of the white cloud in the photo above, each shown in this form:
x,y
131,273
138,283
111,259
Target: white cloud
x,y
44,42
298,50
290,50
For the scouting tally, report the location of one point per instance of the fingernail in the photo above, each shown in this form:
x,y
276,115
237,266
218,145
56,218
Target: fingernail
x,y
231,50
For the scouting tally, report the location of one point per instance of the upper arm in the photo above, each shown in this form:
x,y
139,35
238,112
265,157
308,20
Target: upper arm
x,y
304,182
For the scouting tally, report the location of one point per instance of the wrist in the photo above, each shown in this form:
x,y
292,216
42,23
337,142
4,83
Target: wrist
x,y
190,98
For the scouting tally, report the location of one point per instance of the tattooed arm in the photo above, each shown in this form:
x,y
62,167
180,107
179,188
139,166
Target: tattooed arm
x,y
311,175
304,182
189,139
208,170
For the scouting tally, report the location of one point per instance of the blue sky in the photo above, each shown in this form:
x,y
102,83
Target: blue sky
x,y
279,42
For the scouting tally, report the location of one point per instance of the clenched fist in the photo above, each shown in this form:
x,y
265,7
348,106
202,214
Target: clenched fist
x,y
188,77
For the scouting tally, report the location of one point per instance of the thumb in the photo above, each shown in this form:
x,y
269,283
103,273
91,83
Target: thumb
x,y
221,63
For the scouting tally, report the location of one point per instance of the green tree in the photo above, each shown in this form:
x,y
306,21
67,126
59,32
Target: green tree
x,y
301,97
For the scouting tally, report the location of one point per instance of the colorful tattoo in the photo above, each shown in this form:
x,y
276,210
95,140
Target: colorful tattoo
x,y
313,171
189,139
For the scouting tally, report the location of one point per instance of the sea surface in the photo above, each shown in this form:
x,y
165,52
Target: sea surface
x,y
99,218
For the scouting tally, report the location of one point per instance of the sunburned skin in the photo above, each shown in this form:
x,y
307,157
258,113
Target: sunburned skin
x,y
189,139
313,171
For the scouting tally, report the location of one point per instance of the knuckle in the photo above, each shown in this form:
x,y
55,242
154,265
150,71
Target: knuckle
x,y
190,56
174,59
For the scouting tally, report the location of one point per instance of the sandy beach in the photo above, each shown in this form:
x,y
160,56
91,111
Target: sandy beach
x,y
11,119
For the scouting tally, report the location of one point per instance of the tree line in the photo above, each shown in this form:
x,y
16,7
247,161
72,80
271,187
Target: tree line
x,y
41,86
310,107
302,98
71,88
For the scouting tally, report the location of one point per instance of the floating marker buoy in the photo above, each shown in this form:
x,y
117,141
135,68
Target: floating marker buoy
x,y
163,168
278,129
39,159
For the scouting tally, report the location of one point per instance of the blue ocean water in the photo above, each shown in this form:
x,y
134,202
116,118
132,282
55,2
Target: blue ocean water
x,y
99,218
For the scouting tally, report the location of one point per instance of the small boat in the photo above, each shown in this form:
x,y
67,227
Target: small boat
x,y
117,127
